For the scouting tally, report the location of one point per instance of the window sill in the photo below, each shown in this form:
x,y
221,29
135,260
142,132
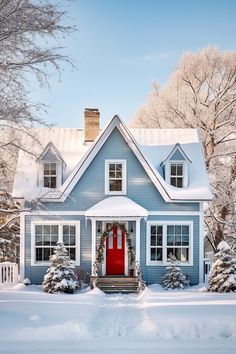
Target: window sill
x,y
166,264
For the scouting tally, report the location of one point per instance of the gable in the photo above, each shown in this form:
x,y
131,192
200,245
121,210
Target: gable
x,y
177,155
51,156
90,189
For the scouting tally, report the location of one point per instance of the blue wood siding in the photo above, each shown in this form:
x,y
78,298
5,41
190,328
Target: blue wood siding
x,y
177,156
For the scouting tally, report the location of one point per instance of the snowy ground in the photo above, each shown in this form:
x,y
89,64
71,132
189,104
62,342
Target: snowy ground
x,y
185,322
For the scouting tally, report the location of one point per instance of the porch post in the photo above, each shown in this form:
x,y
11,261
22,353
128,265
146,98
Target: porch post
x,y
137,248
93,258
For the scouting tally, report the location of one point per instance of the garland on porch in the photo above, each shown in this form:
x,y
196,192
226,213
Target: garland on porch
x,y
100,257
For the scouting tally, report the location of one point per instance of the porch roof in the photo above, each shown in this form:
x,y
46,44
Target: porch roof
x,y
116,207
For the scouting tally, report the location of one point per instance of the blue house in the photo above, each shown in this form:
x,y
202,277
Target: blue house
x,y
139,190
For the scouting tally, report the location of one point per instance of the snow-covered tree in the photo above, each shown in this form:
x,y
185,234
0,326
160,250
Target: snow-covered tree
x,y
174,279
29,34
202,94
222,276
60,276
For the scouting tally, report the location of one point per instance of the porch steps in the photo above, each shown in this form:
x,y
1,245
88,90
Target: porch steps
x,y
117,284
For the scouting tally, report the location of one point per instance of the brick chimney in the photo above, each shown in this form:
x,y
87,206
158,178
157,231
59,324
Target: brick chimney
x,y
91,124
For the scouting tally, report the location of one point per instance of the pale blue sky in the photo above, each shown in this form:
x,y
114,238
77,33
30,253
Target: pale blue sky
x,y
123,45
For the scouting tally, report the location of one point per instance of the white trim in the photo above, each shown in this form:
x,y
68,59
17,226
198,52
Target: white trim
x,y
137,241
164,223
174,213
104,265
201,242
124,176
22,246
60,223
93,244
54,212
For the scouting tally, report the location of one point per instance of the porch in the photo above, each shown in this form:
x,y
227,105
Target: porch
x,y
115,229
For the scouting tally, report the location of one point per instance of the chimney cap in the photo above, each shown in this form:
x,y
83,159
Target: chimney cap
x,y
91,109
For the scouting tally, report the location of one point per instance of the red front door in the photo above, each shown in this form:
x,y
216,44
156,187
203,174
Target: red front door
x,y
115,252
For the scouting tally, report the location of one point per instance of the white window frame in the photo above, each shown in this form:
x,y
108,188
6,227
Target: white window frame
x,y
185,172
124,177
59,168
60,224
164,224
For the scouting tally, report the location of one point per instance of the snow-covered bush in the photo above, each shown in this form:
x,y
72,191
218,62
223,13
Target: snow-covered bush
x,y
26,281
60,276
174,279
222,276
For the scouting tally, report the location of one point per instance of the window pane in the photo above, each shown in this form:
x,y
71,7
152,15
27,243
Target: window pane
x,y
170,230
53,169
66,240
185,240
185,255
46,169
170,240
173,181
178,230
53,182
173,170
159,254
72,230
111,167
153,230
71,252
65,229
54,240
38,229
170,252
38,240
180,170
153,254
177,240
46,254
118,174
46,182
112,174
177,254
185,230
110,240
179,182
115,185
159,240
159,230
54,229
46,229
38,254
153,241
119,239
119,167
46,240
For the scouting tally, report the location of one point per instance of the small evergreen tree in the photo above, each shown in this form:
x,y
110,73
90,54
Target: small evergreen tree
x,y
60,276
222,276
174,279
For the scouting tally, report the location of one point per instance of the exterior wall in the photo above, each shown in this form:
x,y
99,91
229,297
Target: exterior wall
x,y
91,189
177,156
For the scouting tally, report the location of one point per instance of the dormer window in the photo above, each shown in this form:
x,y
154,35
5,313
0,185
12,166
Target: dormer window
x,y
50,175
177,174
51,166
176,167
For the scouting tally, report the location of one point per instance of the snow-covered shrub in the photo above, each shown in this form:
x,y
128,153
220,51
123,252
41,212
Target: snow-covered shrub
x,y
222,276
60,276
26,281
174,279
83,277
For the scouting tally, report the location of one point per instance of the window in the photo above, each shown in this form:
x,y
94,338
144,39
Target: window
x,y
46,235
50,175
178,242
115,177
165,238
156,244
176,175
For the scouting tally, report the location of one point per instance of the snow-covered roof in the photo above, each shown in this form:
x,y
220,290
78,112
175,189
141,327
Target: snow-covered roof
x,y
151,146
117,207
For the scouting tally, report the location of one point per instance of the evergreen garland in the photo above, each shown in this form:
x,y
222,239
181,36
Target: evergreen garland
x,y
100,257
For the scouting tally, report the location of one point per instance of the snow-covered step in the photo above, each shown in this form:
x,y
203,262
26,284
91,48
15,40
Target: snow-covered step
x,y
117,284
